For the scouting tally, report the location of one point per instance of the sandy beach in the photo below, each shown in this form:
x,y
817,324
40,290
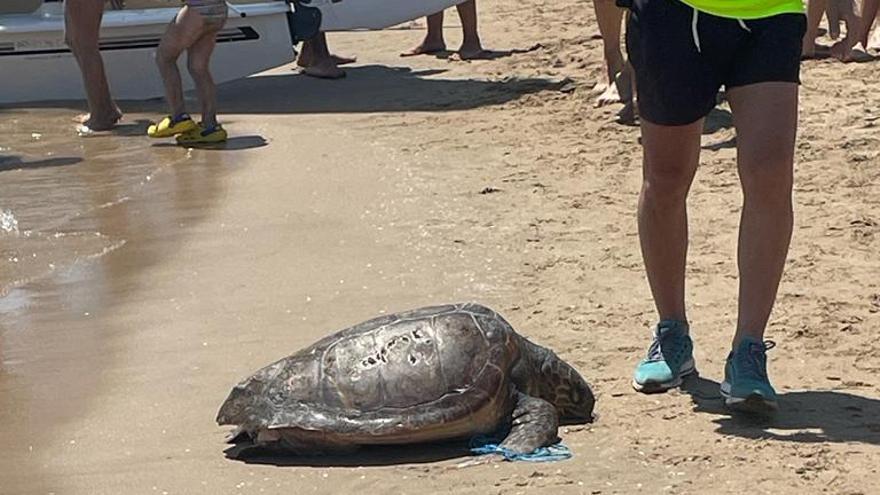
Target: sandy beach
x,y
140,281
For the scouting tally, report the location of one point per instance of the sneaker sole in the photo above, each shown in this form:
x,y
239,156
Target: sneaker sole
x,y
656,388
752,404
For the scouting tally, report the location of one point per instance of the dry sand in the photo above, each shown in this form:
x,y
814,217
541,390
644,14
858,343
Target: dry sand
x,y
367,198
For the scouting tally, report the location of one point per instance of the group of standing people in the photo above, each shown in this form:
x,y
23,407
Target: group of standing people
x,y
194,30
317,61
681,53
854,46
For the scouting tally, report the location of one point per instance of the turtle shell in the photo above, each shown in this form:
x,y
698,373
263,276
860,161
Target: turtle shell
x,y
428,374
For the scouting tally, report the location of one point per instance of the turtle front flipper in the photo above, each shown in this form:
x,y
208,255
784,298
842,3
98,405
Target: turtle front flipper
x,y
534,425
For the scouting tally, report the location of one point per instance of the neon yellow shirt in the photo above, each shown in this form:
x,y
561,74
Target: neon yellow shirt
x,y
747,9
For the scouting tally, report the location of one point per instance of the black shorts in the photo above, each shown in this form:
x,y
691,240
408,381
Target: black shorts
x,y
682,57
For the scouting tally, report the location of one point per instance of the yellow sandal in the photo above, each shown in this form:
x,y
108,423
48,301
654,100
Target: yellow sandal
x,y
200,135
171,126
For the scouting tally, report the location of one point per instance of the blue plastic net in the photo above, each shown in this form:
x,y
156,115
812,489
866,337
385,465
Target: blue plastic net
x,y
488,445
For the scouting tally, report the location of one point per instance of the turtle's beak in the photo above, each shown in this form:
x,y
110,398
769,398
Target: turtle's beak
x,y
233,408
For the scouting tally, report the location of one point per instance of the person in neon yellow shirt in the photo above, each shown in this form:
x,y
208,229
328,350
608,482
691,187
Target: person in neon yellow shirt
x,y
683,53
747,9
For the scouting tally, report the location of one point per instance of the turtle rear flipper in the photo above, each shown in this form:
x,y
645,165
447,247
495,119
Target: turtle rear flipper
x,y
535,424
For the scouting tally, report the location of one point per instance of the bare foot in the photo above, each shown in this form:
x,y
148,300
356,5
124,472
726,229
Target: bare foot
x,y
82,130
625,81
843,51
88,123
471,51
113,116
628,114
340,60
874,42
809,51
619,91
607,94
425,48
326,69
307,61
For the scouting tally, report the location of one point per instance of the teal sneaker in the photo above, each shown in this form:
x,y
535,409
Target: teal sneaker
x,y
746,387
670,358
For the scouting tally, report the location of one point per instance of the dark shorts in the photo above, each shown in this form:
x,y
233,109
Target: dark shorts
x,y
680,66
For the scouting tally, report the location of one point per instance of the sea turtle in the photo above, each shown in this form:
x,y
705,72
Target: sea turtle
x,y
429,374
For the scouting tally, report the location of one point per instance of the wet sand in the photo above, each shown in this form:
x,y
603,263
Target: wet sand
x,y
418,181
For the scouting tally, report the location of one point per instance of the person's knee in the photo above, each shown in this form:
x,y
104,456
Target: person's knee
x,y
664,182
766,173
767,182
198,66
78,43
165,57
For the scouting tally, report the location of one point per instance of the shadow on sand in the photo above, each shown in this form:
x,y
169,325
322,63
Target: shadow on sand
x,y
385,455
134,128
367,89
235,143
804,416
372,88
17,163
717,120
484,55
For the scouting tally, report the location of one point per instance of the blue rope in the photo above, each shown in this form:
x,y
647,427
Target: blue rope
x,y
482,445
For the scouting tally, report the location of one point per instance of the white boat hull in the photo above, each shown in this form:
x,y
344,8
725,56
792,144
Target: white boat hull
x,y
344,15
36,64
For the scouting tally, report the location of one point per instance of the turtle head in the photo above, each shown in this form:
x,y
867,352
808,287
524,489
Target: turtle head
x,y
240,403
560,384
249,399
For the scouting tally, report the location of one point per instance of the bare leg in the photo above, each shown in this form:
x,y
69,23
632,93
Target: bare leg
x,y
765,116
308,54
671,157
82,20
834,14
850,48
433,41
609,17
874,40
869,13
471,47
198,63
320,62
182,33
815,9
